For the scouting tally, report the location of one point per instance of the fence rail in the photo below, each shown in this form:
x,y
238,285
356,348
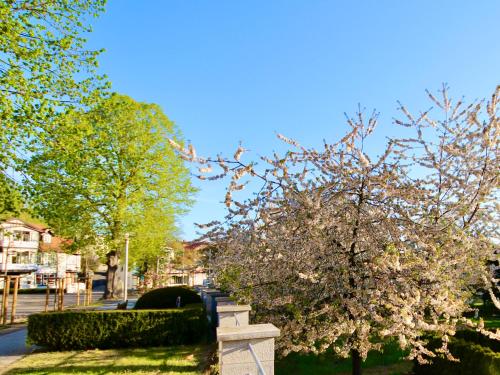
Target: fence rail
x,y
256,359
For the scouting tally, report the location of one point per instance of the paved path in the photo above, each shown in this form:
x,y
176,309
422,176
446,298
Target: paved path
x,y
13,347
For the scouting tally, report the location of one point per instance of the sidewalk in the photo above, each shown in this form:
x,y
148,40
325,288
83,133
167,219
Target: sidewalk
x,y
13,346
13,340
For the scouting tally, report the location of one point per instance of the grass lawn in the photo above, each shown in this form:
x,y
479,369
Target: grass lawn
x,y
492,322
388,363
176,360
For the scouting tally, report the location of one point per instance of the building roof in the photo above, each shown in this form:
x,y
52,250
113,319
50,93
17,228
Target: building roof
x,y
38,227
57,244
194,245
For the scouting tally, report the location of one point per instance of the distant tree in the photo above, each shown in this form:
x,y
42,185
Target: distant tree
x,y
11,201
343,250
110,170
44,67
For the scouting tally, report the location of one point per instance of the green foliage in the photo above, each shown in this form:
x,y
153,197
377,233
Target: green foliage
x,y
44,67
110,170
390,361
165,298
478,338
70,330
10,197
474,360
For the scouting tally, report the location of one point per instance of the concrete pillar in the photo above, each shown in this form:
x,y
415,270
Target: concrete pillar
x,y
233,315
224,301
210,304
247,350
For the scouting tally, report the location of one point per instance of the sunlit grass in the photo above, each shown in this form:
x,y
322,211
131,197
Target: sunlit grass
x,y
185,360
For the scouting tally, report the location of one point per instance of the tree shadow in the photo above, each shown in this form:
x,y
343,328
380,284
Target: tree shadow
x,y
111,369
176,360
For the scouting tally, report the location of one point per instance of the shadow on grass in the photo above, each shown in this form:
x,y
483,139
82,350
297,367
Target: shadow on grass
x,y
112,369
172,360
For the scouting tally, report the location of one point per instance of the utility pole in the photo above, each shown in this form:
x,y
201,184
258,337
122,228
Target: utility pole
x,y
125,269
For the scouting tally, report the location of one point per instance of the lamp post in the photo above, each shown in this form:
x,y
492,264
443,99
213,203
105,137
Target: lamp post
x,y
125,269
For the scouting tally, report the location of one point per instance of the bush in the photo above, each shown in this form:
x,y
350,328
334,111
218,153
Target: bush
x,y
478,338
166,298
474,360
69,330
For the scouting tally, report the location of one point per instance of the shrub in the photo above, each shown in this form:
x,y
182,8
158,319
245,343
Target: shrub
x,y
478,338
69,330
474,360
166,298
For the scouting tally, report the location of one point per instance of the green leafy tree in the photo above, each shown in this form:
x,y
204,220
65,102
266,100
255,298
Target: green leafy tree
x,y
10,197
44,68
111,170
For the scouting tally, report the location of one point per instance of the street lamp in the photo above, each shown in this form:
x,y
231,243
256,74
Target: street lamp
x,y
125,269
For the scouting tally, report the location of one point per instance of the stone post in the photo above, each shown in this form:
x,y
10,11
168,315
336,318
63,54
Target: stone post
x,y
210,304
247,350
224,301
233,315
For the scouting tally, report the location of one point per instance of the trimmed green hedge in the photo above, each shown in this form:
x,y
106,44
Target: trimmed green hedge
x,y
69,330
166,298
474,360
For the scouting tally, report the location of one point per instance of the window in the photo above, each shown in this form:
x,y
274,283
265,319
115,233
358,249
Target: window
x,y
20,235
47,238
21,258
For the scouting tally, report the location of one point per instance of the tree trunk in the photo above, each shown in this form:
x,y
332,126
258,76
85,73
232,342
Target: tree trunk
x,y
17,281
356,362
5,306
112,264
47,296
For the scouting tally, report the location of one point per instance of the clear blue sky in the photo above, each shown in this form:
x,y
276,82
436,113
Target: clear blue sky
x,y
230,71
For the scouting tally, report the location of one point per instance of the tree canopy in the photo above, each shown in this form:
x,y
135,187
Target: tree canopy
x,y
111,170
44,68
342,249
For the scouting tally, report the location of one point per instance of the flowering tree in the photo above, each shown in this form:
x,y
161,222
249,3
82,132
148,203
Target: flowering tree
x,y
343,250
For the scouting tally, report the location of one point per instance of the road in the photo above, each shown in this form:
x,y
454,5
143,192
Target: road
x,y
32,303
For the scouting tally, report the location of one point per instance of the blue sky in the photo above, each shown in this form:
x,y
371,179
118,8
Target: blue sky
x,y
231,71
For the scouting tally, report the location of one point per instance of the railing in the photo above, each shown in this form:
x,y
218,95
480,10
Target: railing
x,y
256,359
21,267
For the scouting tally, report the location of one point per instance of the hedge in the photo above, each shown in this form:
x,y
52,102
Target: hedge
x,y
69,330
474,360
166,298
478,338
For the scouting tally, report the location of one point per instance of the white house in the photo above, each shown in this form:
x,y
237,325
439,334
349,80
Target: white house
x,y
33,252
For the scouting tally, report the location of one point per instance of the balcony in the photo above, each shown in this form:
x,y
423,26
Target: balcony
x,y
19,267
18,244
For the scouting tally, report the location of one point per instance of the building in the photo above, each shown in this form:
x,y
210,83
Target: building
x,y
33,252
188,269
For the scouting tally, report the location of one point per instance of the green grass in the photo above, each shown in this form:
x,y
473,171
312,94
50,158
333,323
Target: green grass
x,y
492,322
176,360
389,362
